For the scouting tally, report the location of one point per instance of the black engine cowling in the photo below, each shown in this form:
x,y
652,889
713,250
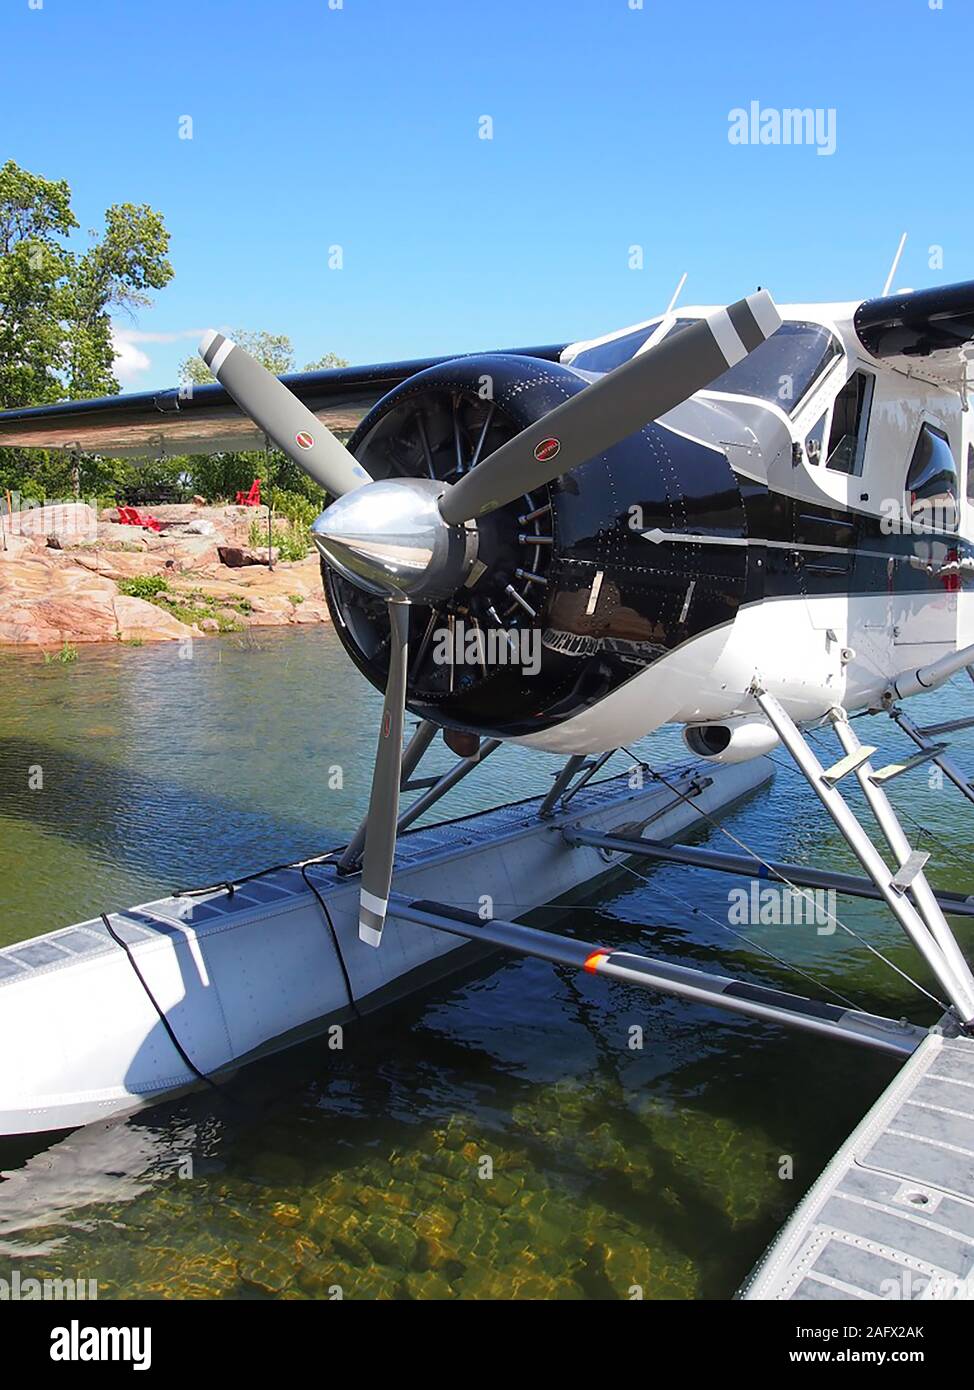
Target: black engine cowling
x,y
569,598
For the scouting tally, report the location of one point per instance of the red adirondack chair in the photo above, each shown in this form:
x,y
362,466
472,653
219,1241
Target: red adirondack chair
x,y
251,498
131,516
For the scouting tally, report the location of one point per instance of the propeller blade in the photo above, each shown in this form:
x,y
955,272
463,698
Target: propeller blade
x,y
282,417
380,836
613,407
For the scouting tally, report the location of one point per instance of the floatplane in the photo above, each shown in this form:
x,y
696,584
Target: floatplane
x,y
756,523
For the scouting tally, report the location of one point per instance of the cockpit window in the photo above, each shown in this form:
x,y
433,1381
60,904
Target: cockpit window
x,y
783,369
605,357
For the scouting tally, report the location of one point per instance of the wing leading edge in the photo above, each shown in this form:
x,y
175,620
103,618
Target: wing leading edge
x,y
204,419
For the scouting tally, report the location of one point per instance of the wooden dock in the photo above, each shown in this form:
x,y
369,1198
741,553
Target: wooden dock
x,y
892,1216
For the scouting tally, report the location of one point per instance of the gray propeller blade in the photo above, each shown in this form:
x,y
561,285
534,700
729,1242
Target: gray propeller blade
x,y
614,406
282,417
380,837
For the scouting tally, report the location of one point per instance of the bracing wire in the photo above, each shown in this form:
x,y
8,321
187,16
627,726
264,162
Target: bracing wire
x,y
783,878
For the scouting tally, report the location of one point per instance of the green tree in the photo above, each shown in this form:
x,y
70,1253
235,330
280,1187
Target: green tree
x,y
56,302
328,359
114,273
35,215
275,351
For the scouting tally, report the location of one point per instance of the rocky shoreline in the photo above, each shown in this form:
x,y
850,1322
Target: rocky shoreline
x,y
69,574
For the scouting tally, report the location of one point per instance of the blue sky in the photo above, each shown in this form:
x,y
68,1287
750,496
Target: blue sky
x,y
358,127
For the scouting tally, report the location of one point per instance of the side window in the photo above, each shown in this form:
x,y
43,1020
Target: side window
x,y
850,420
931,483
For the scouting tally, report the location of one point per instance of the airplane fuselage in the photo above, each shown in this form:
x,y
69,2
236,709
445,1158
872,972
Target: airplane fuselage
x,y
785,524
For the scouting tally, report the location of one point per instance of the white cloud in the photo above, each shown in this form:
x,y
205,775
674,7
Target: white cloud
x,y
138,335
131,362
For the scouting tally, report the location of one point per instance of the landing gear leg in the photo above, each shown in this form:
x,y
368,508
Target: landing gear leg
x,y
906,891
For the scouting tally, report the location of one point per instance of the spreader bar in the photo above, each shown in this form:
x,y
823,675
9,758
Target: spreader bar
x,y
804,876
720,991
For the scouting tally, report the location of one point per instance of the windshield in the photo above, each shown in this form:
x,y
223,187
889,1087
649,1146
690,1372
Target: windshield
x,y
604,357
782,369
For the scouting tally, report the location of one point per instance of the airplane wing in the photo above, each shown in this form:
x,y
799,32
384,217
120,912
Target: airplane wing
x,y
916,326
204,419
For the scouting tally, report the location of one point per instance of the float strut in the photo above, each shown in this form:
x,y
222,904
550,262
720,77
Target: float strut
x,y
560,783
919,889
957,986
921,737
747,866
719,991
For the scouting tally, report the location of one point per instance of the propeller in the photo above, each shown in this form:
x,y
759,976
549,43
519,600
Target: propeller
x,y
380,839
415,538
614,406
282,417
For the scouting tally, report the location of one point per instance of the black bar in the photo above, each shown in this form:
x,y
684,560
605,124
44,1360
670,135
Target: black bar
x,y
961,904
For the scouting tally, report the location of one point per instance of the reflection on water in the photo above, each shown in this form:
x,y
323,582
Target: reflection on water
x,y
498,1135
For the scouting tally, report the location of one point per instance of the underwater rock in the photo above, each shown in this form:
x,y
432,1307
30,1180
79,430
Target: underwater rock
x,y
435,1223
267,1270
737,1168
286,1213
274,1169
500,1190
658,1270
433,1253
391,1242
426,1286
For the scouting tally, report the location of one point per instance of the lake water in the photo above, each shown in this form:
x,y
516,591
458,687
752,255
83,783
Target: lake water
x,y
664,1169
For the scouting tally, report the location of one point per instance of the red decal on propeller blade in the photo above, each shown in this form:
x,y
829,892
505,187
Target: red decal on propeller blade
x,y
547,449
304,440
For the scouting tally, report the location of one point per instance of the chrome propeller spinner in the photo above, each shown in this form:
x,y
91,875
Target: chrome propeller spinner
x,y
390,539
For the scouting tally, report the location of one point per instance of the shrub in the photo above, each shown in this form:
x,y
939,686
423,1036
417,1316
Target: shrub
x,y
293,541
65,656
147,586
295,507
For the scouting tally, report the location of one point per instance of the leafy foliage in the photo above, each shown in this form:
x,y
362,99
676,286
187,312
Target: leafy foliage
x,y
296,506
293,540
56,302
188,605
275,351
55,312
65,656
147,586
